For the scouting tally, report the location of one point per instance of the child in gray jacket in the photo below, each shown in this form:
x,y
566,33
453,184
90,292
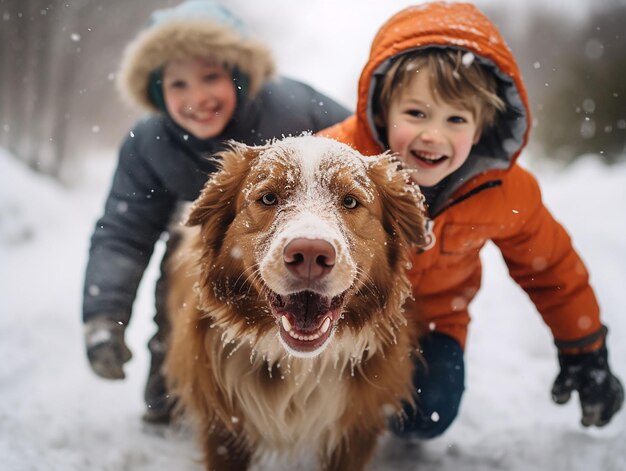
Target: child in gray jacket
x,y
204,82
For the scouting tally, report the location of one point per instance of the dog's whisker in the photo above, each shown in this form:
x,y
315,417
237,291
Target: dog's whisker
x,y
258,280
252,275
244,275
364,276
367,285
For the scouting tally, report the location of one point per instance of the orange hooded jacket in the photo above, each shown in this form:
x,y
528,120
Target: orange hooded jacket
x,y
489,198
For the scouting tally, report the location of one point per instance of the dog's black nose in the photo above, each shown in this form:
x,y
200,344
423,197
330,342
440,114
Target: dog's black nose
x,y
309,259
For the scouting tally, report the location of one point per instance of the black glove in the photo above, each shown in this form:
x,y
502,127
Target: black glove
x,y
601,394
106,350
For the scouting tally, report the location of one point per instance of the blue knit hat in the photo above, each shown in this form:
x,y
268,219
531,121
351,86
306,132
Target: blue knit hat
x,y
199,9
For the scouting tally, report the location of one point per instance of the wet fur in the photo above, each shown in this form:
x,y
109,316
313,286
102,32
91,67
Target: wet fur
x,y
225,363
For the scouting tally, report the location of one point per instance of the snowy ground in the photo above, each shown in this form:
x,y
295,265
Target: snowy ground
x,y
57,416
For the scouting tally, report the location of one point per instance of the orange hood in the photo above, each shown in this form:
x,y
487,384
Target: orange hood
x,y
445,25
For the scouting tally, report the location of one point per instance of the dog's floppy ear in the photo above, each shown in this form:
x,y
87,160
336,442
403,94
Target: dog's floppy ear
x,y
403,203
215,207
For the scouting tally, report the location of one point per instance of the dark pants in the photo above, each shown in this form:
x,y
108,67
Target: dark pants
x,y
158,401
439,380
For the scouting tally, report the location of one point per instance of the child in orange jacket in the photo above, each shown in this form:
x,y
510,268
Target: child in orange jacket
x,y
442,90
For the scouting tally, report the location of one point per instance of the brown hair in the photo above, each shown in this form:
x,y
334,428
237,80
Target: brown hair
x,y
470,85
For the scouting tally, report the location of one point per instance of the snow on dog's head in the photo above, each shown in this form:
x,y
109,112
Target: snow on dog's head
x,y
303,236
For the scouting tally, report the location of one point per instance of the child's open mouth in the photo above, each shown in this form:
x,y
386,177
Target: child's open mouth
x,y
205,115
205,118
428,159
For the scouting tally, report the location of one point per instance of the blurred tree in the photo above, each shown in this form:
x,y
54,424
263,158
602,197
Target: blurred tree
x,y
573,67
39,62
584,106
57,64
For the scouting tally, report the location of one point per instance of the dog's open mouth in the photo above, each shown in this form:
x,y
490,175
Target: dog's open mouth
x,y
306,320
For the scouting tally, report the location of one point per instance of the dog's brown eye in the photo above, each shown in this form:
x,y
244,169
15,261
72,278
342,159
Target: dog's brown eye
x,y
269,199
350,202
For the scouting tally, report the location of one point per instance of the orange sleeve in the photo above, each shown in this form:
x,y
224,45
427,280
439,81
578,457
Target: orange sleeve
x,y
541,259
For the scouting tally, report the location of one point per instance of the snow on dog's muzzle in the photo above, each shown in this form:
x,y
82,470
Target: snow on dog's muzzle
x,y
308,270
307,252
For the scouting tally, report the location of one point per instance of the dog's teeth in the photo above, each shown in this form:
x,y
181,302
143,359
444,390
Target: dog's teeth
x,y
286,324
308,338
305,338
325,325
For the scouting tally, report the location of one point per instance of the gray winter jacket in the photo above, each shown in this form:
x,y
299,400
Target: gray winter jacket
x,y
161,165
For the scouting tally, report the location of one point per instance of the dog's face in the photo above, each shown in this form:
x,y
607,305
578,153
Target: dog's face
x,y
301,236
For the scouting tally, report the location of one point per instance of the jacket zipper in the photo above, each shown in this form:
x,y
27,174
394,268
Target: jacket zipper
x,y
429,222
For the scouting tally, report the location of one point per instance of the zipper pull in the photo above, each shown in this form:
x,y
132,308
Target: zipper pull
x,y
429,237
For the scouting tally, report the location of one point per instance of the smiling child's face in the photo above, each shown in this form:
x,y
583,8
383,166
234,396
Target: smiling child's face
x,y
199,96
431,136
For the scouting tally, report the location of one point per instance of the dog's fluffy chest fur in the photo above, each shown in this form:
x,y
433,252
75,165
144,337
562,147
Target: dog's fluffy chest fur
x,y
291,404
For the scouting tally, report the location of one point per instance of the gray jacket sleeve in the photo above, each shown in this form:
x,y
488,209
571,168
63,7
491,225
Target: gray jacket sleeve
x,y
137,211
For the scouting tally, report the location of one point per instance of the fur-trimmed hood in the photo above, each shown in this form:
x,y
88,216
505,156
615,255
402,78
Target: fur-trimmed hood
x,y
194,29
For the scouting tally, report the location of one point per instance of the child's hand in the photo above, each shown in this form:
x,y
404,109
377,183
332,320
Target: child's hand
x,y
601,394
106,350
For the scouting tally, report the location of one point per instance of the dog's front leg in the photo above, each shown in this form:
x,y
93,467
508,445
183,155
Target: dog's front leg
x,y
224,450
353,452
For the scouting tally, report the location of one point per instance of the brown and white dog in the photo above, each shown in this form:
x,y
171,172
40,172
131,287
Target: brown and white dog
x,y
286,303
